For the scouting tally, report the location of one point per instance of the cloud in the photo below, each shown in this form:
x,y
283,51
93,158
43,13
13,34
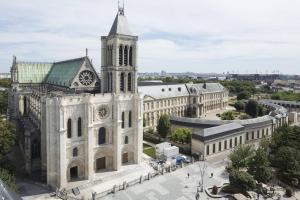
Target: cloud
x,y
200,36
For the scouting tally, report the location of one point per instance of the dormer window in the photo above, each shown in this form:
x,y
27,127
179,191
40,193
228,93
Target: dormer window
x,y
162,89
179,89
170,89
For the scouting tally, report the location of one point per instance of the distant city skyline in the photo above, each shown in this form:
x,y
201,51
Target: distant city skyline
x,y
195,36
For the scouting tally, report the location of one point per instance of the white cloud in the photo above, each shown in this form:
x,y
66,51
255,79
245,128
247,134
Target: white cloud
x,y
193,35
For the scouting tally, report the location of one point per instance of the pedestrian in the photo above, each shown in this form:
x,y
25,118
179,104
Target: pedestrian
x,y
197,196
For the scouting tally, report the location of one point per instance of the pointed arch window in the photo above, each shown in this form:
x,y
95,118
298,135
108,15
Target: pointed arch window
x,y
130,56
129,87
125,55
69,128
75,152
129,119
79,127
108,81
120,55
102,136
123,120
111,82
122,82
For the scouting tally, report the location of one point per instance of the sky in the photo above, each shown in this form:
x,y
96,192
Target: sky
x,y
240,36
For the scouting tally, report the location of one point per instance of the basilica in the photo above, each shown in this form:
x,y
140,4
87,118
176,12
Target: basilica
x,y
72,124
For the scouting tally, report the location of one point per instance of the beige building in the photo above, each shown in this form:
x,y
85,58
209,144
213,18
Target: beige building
x,y
73,125
210,137
182,100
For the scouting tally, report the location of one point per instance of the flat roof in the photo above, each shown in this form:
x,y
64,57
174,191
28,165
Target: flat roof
x,y
218,131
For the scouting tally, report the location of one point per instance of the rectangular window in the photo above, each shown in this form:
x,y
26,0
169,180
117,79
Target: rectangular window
x,y
235,141
225,144
257,134
267,132
214,148
252,135
230,143
247,136
207,150
220,146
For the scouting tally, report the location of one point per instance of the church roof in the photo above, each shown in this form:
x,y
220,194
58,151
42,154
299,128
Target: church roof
x,y
201,88
120,25
164,91
62,73
32,72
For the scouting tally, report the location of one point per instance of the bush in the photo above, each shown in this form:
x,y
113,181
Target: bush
x,y
227,115
151,138
215,190
241,180
9,179
245,116
243,95
288,192
239,106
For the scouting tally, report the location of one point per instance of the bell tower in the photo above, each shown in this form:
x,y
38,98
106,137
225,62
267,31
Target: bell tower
x,y
119,57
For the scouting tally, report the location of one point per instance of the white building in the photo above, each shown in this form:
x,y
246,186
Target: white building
x,y
72,124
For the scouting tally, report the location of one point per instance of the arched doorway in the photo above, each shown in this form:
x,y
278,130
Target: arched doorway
x,y
74,172
125,157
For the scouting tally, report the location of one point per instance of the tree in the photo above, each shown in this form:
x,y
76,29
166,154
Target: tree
x,y
241,180
262,110
240,156
3,102
287,159
259,166
164,126
243,95
7,137
182,135
228,115
239,106
5,82
252,108
202,168
8,178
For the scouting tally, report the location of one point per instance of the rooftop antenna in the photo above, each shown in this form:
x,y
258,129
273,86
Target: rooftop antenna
x,y
86,52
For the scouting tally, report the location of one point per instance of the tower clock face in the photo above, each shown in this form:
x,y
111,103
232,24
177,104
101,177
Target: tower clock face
x,y
86,77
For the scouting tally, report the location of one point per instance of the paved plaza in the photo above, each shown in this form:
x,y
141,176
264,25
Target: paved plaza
x,y
176,185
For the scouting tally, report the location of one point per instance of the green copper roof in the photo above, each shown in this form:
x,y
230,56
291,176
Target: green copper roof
x,y
62,73
32,72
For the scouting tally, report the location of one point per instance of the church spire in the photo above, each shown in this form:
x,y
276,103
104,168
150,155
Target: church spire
x,y
121,9
120,25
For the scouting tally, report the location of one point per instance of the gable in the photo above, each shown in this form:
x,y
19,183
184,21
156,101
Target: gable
x,y
82,79
62,73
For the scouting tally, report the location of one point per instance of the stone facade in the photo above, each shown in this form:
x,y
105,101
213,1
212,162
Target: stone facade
x,y
182,100
72,124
